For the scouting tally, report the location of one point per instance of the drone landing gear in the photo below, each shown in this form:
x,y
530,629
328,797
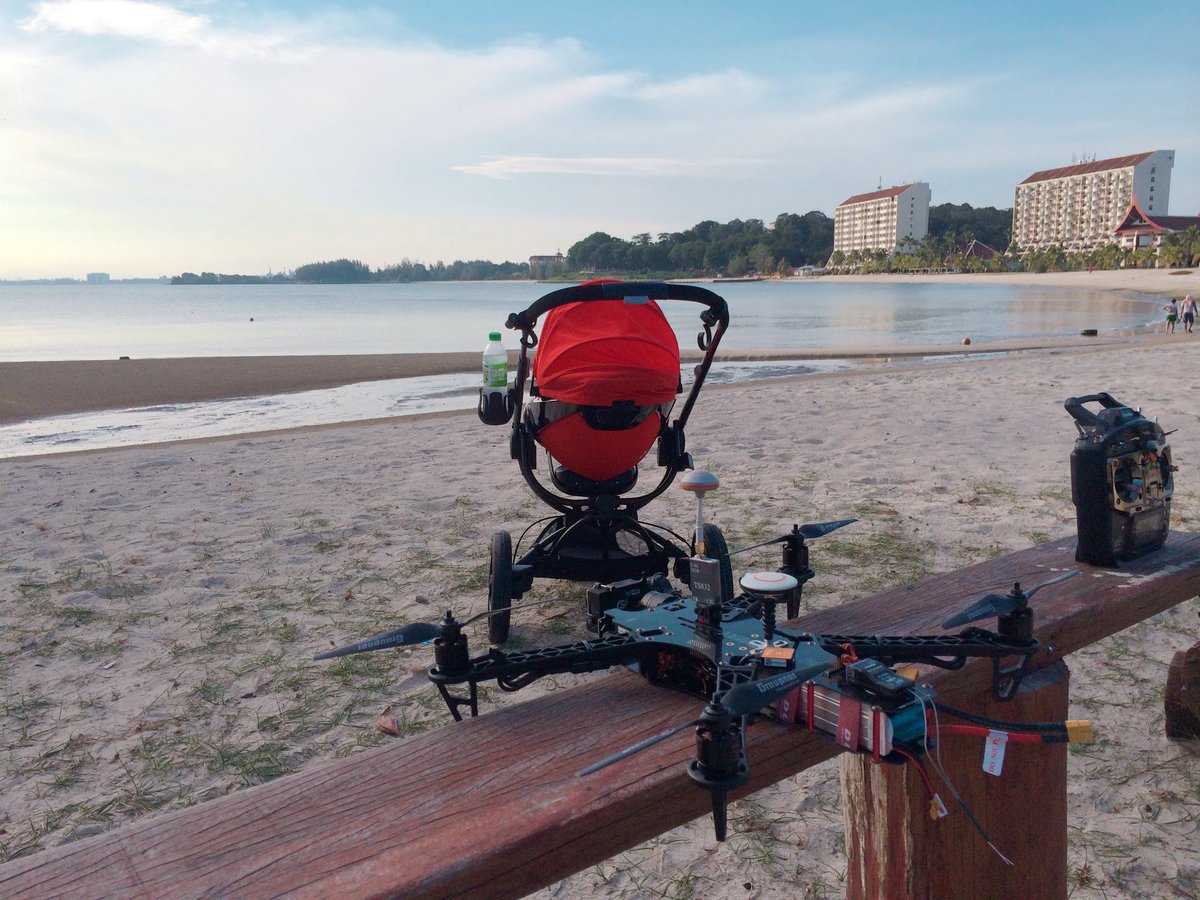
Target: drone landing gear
x,y
720,763
450,655
471,701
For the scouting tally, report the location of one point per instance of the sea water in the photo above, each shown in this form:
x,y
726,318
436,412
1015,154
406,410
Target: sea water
x,y
106,321
77,321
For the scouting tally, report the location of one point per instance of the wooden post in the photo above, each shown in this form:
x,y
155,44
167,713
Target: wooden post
x,y
896,849
1181,699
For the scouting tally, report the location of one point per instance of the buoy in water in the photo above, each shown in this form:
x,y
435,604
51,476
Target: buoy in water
x,y
966,341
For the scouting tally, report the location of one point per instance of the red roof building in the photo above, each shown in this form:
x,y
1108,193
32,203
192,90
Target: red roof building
x,y
1078,207
1138,229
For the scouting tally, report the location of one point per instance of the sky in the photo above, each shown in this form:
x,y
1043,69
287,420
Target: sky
x,y
145,138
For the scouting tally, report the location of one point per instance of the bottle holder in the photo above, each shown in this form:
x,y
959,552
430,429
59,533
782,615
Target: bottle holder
x,y
495,407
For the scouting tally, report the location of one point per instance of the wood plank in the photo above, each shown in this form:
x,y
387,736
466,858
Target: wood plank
x,y
493,806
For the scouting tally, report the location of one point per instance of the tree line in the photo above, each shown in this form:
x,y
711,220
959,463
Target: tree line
x,y
352,271
1178,249
750,247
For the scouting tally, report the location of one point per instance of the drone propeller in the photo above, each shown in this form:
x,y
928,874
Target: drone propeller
x,y
417,633
1049,581
990,605
641,745
751,696
820,529
719,765
808,532
741,700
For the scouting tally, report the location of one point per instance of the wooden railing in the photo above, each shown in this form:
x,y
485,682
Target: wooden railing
x,y
494,807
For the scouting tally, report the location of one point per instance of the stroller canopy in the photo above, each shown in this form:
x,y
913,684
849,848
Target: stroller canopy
x,y
603,352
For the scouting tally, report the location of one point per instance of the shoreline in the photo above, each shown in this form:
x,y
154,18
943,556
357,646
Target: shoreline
x,y
872,365
40,389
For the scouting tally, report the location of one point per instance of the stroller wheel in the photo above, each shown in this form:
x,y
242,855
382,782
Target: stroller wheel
x,y
500,587
716,548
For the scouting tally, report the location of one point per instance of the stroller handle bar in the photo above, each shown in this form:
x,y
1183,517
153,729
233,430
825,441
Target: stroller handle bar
x,y
717,312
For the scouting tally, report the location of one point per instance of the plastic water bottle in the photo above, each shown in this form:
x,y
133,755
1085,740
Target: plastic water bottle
x,y
495,365
495,405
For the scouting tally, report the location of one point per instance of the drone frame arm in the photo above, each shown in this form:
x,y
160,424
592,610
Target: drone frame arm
x,y
947,651
521,668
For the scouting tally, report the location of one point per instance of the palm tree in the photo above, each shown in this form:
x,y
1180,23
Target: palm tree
x,y
1191,244
1171,254
1106,256
928,253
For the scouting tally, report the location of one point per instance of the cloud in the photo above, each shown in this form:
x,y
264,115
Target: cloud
x,y
274,131
154,23
646,166
704,87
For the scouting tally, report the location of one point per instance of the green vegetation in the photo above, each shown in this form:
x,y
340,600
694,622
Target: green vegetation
x,y
709,249
1110,256
214,278
739,248
347,271
751,247
961,224
1181,248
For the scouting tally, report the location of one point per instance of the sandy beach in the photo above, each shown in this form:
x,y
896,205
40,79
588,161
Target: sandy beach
x,y
159,605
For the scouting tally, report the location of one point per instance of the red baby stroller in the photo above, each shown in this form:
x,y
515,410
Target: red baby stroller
x,y
602,387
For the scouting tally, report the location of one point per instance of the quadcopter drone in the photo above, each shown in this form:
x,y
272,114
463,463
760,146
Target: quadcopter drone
x,y
729,652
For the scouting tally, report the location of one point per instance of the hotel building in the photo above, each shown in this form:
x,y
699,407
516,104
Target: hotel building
x,y
882,220
1079,207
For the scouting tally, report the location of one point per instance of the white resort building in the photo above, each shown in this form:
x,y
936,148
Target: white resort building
x,y
887,219
1079,207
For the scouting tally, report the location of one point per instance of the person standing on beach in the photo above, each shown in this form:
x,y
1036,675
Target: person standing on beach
x,y
1172,309
1189,313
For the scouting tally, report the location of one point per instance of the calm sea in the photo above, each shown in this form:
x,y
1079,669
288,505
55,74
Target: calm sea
x,y
80,321
57,322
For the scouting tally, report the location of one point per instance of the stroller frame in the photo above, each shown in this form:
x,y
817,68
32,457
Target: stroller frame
x,y
581,542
